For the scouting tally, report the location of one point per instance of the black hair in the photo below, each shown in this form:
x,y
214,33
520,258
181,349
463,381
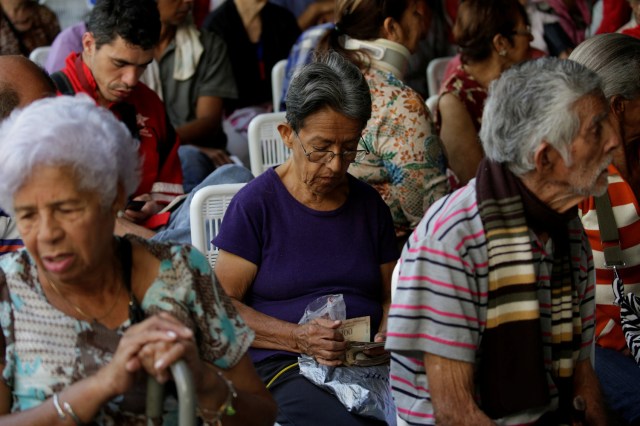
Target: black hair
x,y
137,22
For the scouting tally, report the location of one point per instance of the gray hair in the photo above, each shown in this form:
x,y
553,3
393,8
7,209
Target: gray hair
x,y
616,59
531,103
332,82
69,132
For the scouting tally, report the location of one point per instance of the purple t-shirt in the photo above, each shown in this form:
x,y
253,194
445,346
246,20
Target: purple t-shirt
x,y
303,254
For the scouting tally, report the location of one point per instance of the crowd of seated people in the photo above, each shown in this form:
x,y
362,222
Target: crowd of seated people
x,y
404,161
369,163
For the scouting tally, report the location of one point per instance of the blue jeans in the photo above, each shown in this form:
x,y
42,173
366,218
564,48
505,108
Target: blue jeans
x,y
619,377
196,166
178,229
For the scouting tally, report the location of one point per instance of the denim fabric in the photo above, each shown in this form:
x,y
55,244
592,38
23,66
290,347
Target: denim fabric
x,y
619,377
196,166
178,229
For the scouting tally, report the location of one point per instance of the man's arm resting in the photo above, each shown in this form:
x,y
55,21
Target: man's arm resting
x,y
201,130
587,386
451,387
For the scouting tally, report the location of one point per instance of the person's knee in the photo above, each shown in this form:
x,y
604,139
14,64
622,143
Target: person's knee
x,y
229,173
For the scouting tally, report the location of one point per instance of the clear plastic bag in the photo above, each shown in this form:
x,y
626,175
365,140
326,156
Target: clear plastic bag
x,y
362,390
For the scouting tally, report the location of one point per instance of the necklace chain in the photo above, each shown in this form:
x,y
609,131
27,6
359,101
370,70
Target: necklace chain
x,y
80,311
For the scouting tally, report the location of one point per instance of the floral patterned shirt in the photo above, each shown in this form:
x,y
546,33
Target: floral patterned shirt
x,y
45,350
406,163
472,94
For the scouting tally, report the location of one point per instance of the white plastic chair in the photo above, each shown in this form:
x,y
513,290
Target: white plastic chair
x,y
432,104
277,83
266,148
435,73
40,54
206,212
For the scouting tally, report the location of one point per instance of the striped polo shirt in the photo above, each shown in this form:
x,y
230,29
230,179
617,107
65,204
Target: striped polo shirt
x,y
627,216
440,303
9,237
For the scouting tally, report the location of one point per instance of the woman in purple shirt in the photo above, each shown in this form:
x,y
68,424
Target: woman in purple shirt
x,y
306,229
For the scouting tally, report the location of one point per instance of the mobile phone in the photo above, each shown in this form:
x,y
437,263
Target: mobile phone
x,y
135,205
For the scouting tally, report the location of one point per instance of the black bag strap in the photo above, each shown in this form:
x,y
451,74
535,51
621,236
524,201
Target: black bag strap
x,y
608,233
62,83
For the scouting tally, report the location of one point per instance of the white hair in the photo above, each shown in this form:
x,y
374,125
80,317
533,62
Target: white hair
x,y
68,132
531,103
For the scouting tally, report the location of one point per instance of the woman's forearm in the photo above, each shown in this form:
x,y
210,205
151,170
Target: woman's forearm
x,y
252,403
271,333
83,398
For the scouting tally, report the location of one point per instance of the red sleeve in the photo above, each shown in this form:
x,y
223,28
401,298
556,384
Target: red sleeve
x,y
615,13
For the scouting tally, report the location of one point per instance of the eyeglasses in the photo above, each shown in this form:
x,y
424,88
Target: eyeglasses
x,y
523,32
327,156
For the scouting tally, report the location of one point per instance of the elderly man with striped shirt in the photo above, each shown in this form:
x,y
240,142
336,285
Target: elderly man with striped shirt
x,y
492,320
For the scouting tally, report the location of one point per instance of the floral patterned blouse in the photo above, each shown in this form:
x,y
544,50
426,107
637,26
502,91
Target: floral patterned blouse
x,y
45,350
406,163
467,89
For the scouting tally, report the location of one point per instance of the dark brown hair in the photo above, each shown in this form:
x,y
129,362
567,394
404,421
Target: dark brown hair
x,y
478,21
362,20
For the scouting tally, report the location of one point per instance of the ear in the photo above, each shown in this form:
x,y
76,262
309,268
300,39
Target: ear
x,y
617,105
391,30
501,44
545,158
286,133
88,43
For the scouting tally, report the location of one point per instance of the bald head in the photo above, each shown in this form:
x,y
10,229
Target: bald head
x,y
21,82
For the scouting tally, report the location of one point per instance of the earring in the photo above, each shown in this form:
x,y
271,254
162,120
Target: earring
x,y
502,52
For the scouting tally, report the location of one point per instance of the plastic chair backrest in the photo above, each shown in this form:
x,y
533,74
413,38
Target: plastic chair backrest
x,y
266,148
432,104
206,212
277,81
435,73
40,54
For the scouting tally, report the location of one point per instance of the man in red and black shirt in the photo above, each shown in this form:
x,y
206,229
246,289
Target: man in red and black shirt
x,y
117,48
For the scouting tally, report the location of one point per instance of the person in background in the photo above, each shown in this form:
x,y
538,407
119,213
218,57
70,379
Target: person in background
x,y
258,34
67,41
405,160
309,12
25,25
117,48
306,229
492,320
492,35
616,59
301,54
21,82
87,310
633,27
193,76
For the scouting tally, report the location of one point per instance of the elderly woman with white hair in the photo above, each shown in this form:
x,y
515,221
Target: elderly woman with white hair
x,y
83,312
616,59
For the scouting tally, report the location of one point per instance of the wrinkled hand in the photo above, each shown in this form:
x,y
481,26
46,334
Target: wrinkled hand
x,y
119,374
156,357
321,340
